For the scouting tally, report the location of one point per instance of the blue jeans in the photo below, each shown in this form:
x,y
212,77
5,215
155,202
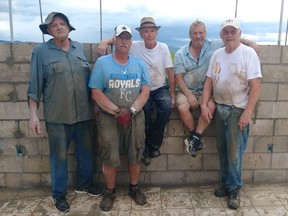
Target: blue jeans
x,y
60,137
231,144
155,127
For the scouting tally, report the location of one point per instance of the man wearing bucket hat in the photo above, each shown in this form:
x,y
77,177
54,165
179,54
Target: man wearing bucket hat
x,y
59,75
120,85
158,60
234,79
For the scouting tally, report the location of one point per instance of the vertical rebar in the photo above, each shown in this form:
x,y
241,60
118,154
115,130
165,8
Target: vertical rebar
x,y
236,8
280,23
100,20
11,21
286,33
40,8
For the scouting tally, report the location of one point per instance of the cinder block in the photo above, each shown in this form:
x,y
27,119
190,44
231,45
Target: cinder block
x,y
175,128
5,53
269,91
247,176
157,164
274,73
36,164
211,162
167,178
202,177
279,161
256,161
94,54
18,72
8,128
21,91
10,110
281,127
281,109
87,50
270,54
262,127
284,59
270,176
250,144
261,144
23,180
20,147
184,162
265,110
11,164
2,180
210,145
22,52
172,145
280,144
7,92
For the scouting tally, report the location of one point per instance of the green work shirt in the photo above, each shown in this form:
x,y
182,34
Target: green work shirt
x,y
61,78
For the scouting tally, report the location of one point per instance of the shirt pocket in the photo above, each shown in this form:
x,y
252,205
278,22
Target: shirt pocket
x,y
56,66
82,62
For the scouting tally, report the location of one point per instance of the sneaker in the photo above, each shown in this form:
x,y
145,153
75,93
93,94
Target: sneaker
x,y
221,192
234,199
137,195
146,160
154,153
61,204
92,191
193,144
108,200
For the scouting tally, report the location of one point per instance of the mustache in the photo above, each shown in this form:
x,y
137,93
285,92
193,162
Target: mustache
x,y
124,45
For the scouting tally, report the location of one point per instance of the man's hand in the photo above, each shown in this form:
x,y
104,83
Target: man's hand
x,y
103,48
124,117
244,120
35,126
173,101
206,114
192,101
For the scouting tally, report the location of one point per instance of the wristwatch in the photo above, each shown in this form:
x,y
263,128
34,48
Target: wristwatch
x,y
133,110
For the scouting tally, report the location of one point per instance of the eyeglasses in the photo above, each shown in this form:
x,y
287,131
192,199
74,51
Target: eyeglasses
x,y
126,38
227,32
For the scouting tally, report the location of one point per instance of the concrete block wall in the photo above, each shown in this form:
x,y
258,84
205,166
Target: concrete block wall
x,y
24,159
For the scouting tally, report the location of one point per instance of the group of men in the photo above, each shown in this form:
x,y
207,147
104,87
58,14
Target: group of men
x,y
221,76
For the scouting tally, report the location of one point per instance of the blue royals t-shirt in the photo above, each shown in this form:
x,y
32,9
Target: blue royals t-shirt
x,y
120,83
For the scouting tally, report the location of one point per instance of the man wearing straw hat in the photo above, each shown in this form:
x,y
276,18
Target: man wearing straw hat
x,y
158,60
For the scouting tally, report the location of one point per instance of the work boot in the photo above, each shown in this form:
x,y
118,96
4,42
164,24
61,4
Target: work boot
x,y
137,195
108,200
234,199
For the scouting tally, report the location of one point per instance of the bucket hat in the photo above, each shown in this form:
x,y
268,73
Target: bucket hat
x,y
49,19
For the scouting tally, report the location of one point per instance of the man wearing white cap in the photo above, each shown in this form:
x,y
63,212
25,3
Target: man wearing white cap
x,y
157,58
234,80
120,86
59,74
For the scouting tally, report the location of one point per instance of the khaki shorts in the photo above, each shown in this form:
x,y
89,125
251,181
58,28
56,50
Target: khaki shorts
x,y
114,140
182,99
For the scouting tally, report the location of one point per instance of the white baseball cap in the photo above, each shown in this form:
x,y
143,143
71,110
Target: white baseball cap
x,y
231,22
122,28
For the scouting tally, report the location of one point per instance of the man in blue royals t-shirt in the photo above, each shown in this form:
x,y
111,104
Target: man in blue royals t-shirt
x,y
120,86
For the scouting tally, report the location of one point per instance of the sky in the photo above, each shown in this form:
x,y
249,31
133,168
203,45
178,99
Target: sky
x,y
259,19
